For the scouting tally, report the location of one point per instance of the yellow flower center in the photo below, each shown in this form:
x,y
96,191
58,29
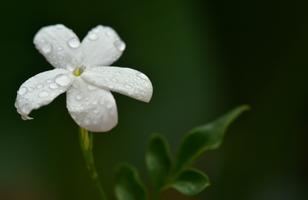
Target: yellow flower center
x,y
78,71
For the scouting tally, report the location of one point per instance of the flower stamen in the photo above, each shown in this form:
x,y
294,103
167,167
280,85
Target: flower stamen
x,y
78,71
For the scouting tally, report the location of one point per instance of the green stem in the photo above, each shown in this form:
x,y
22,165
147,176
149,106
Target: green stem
x,y
86,143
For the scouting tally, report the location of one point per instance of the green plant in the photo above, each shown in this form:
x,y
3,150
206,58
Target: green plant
x,y
166,171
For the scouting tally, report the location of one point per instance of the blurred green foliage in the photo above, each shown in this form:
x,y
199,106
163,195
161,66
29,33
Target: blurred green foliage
x,y
203,57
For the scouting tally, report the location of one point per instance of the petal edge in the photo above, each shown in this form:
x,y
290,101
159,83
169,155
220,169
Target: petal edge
x,y
125,81
40,90
101,46
59,45
92,108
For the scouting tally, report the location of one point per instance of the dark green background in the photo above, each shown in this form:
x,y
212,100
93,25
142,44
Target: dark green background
x,y
204,58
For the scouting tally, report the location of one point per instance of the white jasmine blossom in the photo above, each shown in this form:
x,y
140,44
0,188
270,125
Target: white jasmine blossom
x,y
83,71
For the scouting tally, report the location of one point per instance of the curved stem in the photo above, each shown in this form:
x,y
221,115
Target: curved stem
x,y
86,143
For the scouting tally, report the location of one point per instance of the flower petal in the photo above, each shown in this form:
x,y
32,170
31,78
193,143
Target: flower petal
x,y
122,80
41,89
59,45
102,46
92,108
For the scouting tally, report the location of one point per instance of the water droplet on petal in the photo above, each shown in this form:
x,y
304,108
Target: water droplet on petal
x,y
142,76
53,86
120,45
22,91
115,80
108,31
78,97
74,116
97,30
73,43
43,94
70,68
59,48
46,48
93,35
62,80
59,26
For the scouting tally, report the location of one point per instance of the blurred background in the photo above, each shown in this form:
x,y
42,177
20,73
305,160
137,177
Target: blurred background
x,y
204,58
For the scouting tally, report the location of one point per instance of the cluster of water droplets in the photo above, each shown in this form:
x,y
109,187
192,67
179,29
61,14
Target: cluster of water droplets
x,y
103,32
38,91
125,81
44,89
88,105
48,48
62,51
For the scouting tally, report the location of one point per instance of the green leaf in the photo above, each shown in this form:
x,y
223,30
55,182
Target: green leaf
x,y
205,137
128,185
190,182
158,160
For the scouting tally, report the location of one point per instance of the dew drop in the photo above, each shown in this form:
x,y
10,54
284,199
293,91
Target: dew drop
x,y
70,68
93,36
22,91
108,31
78,97
53,86
115,80
62,80
142,76
73,43
59,48
120,45
97,30
74,116
59,26
46,48
43,94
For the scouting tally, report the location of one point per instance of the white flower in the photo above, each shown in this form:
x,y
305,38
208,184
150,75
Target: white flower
x,y
82,69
